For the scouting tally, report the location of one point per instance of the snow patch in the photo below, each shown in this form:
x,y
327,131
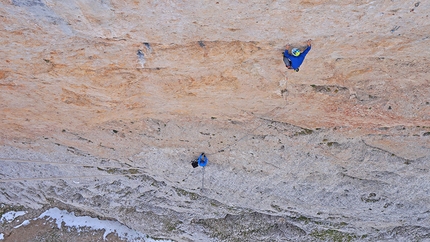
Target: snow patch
x,y
1,236
11,215
26,222
70,220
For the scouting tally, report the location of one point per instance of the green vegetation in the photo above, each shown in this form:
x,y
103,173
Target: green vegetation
x,y
214,204
276,207
304,132
330,144
119,171
7,208
112,170
333,235
304,219
171,226
133,171
190,195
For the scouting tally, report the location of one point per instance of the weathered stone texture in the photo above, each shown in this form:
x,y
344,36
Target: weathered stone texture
x,y
105,103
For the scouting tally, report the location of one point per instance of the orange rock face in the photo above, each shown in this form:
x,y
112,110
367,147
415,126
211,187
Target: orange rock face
x,y
151,84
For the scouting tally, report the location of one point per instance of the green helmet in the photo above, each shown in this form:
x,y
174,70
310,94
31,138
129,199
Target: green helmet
x,y
295,52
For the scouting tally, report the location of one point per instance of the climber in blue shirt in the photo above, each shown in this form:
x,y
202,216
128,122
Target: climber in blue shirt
x,y
203,160
296,58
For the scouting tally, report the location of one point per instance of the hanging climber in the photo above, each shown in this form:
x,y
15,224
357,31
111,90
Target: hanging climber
x,y
296,58
201,161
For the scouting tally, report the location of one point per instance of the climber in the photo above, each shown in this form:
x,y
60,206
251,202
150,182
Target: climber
x,y
296,58
201,161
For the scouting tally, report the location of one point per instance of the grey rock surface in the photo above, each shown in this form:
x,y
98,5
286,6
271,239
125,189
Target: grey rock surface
x,y
104,104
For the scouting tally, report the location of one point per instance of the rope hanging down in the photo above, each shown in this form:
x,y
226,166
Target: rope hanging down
x,y
201,161
246,135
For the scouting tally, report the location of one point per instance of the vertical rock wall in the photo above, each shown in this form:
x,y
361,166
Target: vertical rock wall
x,y
105,103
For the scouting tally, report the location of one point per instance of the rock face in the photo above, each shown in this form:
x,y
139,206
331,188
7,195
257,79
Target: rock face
x,y
104,105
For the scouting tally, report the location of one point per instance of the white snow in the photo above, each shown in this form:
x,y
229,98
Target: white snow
x,y
11,215
1,236
71,220
26,222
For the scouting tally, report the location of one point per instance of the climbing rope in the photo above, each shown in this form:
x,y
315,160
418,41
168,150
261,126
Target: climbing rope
x,y
203,179
244,136
226,147
202,161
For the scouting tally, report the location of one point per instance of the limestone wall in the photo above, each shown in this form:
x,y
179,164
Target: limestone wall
x,y
105,103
